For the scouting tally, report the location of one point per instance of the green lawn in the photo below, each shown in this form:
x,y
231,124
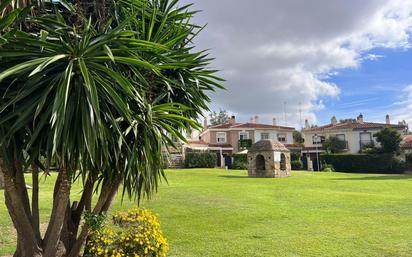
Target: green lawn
x,y
224,213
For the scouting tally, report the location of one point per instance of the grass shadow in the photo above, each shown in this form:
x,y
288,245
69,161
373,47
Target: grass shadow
x,y
384,177
233,176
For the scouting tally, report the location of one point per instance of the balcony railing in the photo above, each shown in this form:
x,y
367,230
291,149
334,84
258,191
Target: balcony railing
x,y
244,144
366,143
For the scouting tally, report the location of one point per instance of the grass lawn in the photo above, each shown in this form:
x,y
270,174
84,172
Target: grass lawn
x,y
207,212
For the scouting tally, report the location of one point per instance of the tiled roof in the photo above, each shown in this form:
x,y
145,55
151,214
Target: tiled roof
x,y
407,142
201,142
353,125
248,126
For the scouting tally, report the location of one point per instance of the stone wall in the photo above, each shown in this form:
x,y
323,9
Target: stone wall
x,y
272,168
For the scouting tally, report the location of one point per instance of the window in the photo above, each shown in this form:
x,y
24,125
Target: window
x,y
282,137
264,136
318,140
365,139
221,137
341,137
243,135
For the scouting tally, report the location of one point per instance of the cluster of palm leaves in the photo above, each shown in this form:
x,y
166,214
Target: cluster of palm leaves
x,y
99,98
107,97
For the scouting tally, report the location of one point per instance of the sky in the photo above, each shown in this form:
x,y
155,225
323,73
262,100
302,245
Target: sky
x,y
310,59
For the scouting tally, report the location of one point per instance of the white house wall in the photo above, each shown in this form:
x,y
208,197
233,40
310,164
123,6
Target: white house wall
x,y
274,135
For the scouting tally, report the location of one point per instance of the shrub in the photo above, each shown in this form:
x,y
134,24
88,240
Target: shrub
x,y
200,160
295,156
365,163
136,233
390,140
334,145
327,167
240,162
296,164
408,158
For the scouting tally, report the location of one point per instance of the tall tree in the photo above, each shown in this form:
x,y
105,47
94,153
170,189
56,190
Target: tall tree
x,y
220,117
297,137
334,145
93,91
389,139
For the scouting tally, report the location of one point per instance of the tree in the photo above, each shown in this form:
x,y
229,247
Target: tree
x,y
334,145
93,91
217,118
389,139
297,137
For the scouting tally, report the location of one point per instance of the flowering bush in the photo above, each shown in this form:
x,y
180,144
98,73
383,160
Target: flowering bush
x,y
136,233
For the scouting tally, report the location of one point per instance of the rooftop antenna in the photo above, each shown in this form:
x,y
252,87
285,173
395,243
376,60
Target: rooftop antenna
x,y
284,112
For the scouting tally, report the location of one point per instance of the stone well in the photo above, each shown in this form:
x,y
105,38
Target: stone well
x,y
268,159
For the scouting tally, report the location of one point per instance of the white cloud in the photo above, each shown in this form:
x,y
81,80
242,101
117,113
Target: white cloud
x,y
403,108
271,52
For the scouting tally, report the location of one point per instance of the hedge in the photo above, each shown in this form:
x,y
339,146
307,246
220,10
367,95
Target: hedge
x,y
296,164
364,163
240,162
200,160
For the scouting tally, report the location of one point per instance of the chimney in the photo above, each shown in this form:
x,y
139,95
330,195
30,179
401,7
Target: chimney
x,y
333,121
256,119
307,124
359,119
232,120
274,121
205,123
388,120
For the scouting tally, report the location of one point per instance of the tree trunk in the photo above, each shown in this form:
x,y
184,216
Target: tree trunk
x,y
61,201
28,244
35,220
1,180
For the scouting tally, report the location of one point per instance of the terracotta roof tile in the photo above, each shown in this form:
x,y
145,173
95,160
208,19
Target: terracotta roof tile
x,y
353,125
248,125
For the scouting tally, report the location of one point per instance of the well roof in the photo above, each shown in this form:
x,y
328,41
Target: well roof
x,y
268,145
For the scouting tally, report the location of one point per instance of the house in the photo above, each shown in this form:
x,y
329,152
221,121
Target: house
x,y
357,134
233,137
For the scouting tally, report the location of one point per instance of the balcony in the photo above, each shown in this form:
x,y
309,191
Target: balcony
x,y
366,143
244,144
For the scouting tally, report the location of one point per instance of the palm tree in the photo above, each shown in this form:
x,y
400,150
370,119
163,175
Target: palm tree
x,y
98,95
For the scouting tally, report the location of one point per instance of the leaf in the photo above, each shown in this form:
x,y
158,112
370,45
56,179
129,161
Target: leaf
x,y
109,52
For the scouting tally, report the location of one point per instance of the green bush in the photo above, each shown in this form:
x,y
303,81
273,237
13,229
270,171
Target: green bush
x,y
296,165
200,160
327,167
365,163
240,162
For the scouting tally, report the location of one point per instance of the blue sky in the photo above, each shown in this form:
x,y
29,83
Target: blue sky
x,y
372,89
281,51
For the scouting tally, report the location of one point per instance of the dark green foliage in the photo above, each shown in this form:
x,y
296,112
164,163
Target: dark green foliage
x,y
390,140
408,158
220,117
245,144
294,156
296,164
240,162
364,163
297,137
334,145
200,160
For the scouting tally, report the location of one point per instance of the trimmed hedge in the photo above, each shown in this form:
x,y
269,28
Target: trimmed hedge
x,y
240,162
200,160
364,163
296,165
